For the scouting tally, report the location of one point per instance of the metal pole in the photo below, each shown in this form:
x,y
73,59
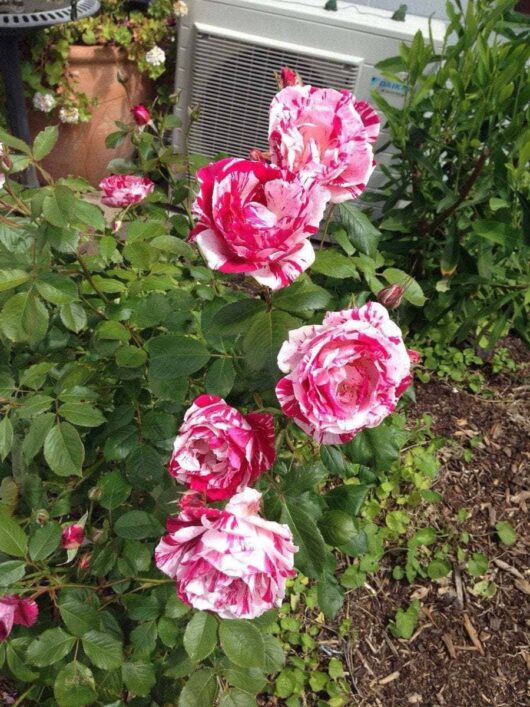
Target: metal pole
x,y
16,104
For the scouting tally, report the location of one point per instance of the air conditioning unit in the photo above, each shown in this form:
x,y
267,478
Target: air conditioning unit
x,y
228,51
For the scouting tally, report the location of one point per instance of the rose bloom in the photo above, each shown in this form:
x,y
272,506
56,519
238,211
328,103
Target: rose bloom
x,y
44,102
69,115
325,134
255,218
14,610
345,374
219,450
232,562
125,189
72,537
140,114
155,56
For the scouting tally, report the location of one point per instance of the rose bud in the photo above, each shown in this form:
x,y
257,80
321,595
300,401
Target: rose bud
x,y
94,493
121,190
391,296
84,561
42,516
140,114
288,77
72,537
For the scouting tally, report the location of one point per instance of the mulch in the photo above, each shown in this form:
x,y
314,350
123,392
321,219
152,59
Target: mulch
x,y
467,651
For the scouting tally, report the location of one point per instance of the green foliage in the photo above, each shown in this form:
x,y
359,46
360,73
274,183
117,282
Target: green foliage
x,y
106,341
456,203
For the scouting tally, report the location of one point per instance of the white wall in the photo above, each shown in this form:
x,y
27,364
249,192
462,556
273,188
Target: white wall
x,y
436,8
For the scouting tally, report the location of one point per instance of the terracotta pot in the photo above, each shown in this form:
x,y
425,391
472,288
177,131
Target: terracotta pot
x,y
80,150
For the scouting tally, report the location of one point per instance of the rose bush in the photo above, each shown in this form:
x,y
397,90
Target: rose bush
x,y
137,392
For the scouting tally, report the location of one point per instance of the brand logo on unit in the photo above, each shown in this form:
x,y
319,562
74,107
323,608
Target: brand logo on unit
x,y
386,86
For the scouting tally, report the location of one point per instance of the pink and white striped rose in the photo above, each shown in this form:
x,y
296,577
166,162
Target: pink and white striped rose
x,y
121,190
14,610
345,374
326,135
219,450
232,562
254,218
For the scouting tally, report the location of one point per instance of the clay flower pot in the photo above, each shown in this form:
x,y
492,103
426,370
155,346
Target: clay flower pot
x,y
81,149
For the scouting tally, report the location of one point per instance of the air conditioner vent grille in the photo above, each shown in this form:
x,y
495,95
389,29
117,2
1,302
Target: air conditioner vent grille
x,y
233,83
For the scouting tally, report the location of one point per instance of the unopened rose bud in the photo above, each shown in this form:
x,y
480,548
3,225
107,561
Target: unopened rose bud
x,y
391,296
415,356
84,561
42,516
94,493
288,77
72,537
141,115
259,155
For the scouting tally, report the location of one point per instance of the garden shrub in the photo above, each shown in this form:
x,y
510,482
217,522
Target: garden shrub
x,y
115,336
456,206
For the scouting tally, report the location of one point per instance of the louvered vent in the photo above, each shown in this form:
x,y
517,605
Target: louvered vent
x,y
233,83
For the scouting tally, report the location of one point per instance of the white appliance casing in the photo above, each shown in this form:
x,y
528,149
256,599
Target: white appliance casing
x,y
228,50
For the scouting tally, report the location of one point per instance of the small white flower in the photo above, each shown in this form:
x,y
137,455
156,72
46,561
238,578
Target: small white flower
x,y
69,115
180,9
155,56
44,102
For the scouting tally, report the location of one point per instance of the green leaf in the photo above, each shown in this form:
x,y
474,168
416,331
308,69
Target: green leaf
x,y
437,568
44,541
82,414
6,437
56,288
137,525
302,295
24,318
14,142
45,142
89,214
331,263
477,565
50,647
363,235
234,317
16,659
337,527
237,698
34,405
266,333
424,536
348,498
242,643
413,292
200,636
114,490
506,532
378,447
103,650
75,686
34,440
63,450
311,554
130,356
405,622
200,690
11,572
13,540
251,680
144,467
78,614
220,377
139,677
9,279
173,355
73,316
58,207
34,376
330,596
274,654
